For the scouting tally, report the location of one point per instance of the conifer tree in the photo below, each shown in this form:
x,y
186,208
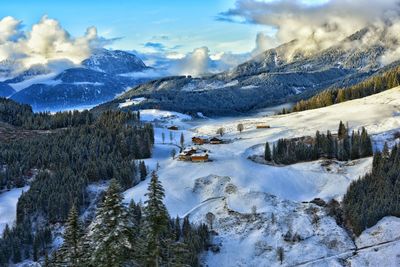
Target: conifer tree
x,y
366,144
182,141
355,145
136,237
267,153
342,132
71,248
142,170
110,241
157,220
177,229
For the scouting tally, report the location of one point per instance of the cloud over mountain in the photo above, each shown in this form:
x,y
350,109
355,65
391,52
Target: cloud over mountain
x,y
45,43
319,26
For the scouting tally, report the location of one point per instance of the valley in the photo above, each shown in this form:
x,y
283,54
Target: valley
x,y
166,135
232,187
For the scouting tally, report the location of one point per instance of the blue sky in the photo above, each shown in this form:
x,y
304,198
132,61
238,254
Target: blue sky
x,y
180,36
179,25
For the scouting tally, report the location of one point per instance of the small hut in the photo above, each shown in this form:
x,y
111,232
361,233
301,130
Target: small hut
x,y
198,141
173,128
263,126
215,141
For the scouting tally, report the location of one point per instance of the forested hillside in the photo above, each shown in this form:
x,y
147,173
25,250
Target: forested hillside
x,y
136,235
374,85
21,115
376,195
61,164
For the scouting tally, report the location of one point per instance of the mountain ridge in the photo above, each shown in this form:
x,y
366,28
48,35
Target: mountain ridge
x,y
97,80
276,76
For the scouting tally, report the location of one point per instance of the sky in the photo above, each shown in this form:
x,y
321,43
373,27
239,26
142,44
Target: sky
x,y
178,25
197,36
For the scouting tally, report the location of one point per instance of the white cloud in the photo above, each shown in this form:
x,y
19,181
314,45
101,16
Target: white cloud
x,y
319,26
195,63
264,42
9,29
46,43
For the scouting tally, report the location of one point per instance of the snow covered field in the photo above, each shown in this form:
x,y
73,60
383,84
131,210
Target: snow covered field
x,y
290,185
257,205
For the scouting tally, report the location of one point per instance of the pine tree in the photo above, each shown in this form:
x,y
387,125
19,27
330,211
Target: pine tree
x,y
341,96
110,242
157,220
355,145
366,144
177,229
142,171
71,248
136,235
182,141
342,132
35,249
267,153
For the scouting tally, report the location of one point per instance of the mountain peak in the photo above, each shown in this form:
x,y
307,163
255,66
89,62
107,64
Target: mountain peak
x,y
114,62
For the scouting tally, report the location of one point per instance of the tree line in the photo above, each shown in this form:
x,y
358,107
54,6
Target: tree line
x,y
342,146
375,195
371,86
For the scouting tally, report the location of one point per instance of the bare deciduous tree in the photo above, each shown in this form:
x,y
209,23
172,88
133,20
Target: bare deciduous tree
x,y
221,131
210,219
240,127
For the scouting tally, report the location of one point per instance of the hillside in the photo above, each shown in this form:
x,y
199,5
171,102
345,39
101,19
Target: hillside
x,y
230,185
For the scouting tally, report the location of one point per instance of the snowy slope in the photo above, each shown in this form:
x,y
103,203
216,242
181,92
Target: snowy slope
x,y
244,234
231,184
8,206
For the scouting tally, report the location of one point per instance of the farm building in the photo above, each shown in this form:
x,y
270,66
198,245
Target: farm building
x,y
199,140
187,153
200,157
263,127
194,155
215,141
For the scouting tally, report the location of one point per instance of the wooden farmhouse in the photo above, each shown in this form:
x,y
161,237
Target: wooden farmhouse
x,y
215,141
263,126
199,140
200,157
194,155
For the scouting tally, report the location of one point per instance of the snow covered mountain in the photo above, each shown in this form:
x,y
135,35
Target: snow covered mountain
x,y
276,76
114,62
28,74
78,87
97,81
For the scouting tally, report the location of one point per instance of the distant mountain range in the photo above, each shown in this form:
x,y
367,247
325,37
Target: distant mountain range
x,y
276,76
283,74
97,80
